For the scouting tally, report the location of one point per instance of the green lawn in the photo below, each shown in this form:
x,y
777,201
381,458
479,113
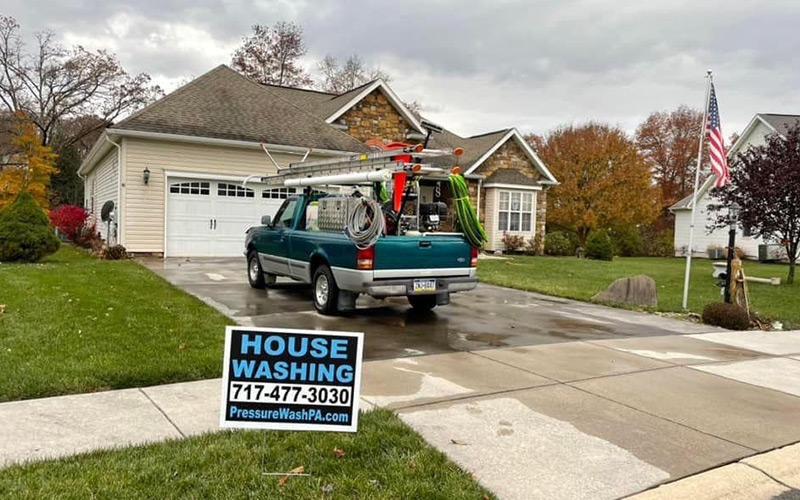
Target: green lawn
x,y
385,459
73,323
581,279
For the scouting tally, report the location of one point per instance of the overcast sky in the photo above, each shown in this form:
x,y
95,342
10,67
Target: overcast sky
x,y
480,66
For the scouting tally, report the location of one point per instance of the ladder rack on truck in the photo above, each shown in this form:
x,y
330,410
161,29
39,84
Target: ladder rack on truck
x,y
322,172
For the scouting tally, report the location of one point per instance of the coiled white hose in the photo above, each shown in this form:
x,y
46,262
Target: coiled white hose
x,y
365,223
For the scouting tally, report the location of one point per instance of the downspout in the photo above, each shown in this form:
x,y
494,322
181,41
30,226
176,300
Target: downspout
x,y
119,190
480,184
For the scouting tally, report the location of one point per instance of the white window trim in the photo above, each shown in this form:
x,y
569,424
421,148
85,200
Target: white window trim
x,y
497,210
513,187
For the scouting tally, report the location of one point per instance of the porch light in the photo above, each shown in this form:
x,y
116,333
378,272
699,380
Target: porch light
x,y
146,176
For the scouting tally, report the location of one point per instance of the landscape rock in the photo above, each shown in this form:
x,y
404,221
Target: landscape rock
x,y
640,290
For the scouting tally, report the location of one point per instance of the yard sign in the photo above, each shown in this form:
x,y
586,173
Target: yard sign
x,y
299,380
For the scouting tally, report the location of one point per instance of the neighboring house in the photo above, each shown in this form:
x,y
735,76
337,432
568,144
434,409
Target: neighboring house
x,y
198,144
754,134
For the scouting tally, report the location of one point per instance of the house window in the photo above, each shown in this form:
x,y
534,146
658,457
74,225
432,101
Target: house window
x,y
234,190
201,188
747,230
515,211
278,193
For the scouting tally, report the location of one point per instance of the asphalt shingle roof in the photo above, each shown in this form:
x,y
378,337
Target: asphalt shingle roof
x,y
321,104
474,147
224,104
779,122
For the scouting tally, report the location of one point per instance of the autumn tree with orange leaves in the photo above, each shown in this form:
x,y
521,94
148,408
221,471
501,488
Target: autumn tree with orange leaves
x,y
30,166
668,141
604,180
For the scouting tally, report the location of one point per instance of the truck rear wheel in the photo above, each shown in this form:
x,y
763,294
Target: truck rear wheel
x,y
324,290
422,302
254,274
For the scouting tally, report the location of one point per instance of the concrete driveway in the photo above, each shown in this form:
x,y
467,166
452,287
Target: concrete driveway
x,y
488,317
536,397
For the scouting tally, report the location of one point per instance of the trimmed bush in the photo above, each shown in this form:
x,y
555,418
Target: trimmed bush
x,y
25,232
69,219
559,243
116,252
599,247
627,242
726,315
513,242
658,244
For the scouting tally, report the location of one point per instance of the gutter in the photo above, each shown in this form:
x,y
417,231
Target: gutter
x,y
88,163
298,150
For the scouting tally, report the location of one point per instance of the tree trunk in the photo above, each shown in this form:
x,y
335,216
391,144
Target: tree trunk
x,y
583,235
792,254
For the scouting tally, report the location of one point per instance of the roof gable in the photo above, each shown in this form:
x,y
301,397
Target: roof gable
x,y
349,99
513,134
223,104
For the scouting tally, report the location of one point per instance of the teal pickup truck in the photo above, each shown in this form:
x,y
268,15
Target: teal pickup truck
x,y
425,268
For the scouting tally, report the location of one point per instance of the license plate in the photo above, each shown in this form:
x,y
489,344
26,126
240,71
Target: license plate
x,y
424,286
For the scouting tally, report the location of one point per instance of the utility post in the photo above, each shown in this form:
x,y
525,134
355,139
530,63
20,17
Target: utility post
x,y
733,219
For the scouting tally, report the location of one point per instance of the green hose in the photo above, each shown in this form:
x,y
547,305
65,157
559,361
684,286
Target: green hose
x,y
383,195
466,218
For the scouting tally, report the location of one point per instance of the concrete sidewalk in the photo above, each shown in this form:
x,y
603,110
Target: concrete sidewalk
x,y
587,419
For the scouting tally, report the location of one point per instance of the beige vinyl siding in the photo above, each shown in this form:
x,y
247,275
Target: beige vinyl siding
x,y
143,227
490,222
495,235
101,185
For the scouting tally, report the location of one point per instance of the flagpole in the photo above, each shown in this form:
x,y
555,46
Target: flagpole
x,y
694,194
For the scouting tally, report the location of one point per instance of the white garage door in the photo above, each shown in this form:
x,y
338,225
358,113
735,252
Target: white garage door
x,y
208,218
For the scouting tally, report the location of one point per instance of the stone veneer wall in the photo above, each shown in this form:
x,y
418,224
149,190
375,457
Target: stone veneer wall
x,y
511,156
374,117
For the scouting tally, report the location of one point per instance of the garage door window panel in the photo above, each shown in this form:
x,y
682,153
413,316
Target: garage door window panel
x,y
515,211
198,188
234,191
278,193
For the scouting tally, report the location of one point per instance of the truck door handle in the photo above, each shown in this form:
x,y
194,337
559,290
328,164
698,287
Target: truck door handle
x,y
424,244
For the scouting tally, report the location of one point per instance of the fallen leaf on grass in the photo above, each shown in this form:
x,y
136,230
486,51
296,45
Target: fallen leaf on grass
x,y
2,308
339,453
459,442
296,470
182,346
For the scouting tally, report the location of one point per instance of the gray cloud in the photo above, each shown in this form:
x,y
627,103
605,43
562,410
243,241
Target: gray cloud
x,y
482,65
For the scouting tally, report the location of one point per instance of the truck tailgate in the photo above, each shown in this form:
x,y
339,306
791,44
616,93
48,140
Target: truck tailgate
x,y
440,255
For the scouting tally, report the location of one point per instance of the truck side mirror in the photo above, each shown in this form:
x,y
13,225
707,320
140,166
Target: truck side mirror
x,y
266,220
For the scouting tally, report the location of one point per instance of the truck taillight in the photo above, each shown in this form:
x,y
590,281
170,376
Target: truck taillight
x,y
473,257
365,258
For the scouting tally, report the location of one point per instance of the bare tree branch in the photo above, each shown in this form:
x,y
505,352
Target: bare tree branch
x,y
53,84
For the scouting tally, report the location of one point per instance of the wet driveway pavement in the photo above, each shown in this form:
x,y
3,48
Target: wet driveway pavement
x,y
488,317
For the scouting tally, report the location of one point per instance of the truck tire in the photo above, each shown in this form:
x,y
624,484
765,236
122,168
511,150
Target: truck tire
x,y
422,302
324,290
254,274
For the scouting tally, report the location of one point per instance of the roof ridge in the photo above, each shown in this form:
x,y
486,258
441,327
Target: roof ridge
x,y
505,131
336,96
174,93
779,114
297,88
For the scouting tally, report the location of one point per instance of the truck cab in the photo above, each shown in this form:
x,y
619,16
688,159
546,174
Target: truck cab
x,y
426,268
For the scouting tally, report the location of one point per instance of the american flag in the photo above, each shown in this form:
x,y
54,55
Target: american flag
x,y
716,142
